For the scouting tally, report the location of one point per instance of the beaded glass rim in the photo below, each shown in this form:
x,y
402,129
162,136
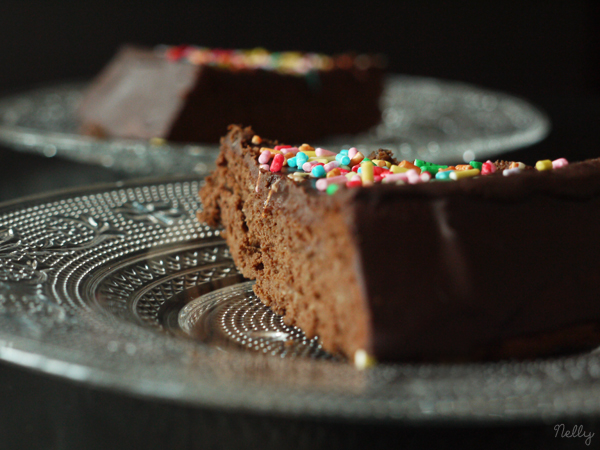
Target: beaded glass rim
x,y
85,276
425,118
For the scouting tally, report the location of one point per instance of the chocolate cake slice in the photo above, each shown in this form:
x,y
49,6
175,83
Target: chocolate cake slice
x,y
500,262
191,94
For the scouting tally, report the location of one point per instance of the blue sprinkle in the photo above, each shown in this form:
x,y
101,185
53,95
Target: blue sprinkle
x,y
301,158
318,172
443,175
292,162
359,170
344,160
344,152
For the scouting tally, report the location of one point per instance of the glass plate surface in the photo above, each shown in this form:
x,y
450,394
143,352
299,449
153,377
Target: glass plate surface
x,y
119,286
424,118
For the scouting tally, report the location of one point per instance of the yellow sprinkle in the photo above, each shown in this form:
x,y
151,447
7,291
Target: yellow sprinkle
x,y
309,153
298,176
349,175
459,174
266,149
322,159
256,139
156,141
275,152
545,164
362,360
366,170
396,169
306,148
388,164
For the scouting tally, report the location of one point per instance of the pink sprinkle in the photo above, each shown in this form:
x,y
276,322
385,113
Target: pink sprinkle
x,y
560,162
352,152
281,147
396,177
322,183
331,165
356,177
308,165
322,152
264,157
413,177
493,167
293,150
487,168
277,163
265,167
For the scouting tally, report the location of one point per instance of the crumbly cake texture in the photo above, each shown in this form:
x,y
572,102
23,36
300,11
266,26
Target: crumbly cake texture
x,y
191,94
493,265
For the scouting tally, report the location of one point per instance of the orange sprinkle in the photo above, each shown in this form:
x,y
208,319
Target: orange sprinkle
x,y
306,148
357,159
447,169
334,173
408,165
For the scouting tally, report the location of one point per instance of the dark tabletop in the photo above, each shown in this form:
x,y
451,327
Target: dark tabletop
x,y
545,51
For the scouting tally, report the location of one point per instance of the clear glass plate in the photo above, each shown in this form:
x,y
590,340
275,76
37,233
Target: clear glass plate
x,y
119,286
424,118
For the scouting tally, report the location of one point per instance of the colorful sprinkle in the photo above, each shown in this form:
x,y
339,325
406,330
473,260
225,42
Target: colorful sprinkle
x,y
443,175
488,168
476,165
367,173
544,164
352,169
560,162
293,63
277,163
460,174
318,172
356,159
322,183
332,189
513,171
265,156
322,152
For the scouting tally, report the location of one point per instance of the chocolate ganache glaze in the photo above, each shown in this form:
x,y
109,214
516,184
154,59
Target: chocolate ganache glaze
x,y
485,267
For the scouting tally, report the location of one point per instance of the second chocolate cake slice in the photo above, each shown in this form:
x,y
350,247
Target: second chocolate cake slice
x,y
190,94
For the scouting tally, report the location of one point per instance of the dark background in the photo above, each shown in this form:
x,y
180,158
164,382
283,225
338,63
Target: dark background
x,y
545,51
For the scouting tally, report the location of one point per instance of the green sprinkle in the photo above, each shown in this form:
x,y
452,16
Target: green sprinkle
x,y
428,166
476,165
332,189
